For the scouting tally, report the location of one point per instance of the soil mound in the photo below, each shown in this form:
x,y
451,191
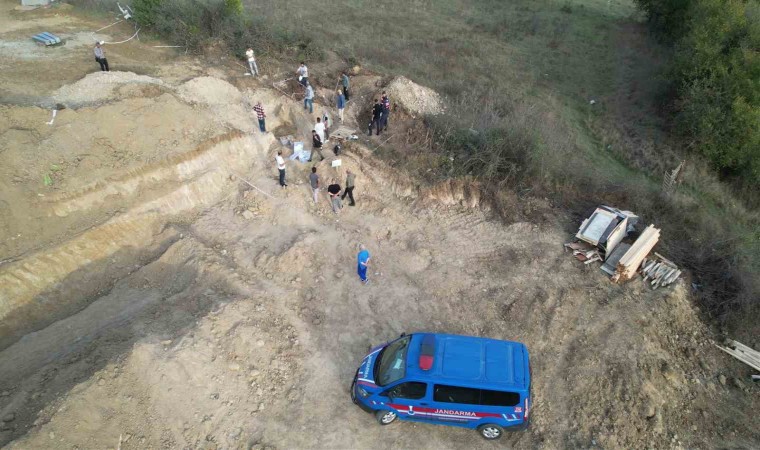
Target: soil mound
x,y
418,100
209,91
99,86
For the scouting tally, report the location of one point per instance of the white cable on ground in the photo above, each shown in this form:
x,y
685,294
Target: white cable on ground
x,y
112,43
118,21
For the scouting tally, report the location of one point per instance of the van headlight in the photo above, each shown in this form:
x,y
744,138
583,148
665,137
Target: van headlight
x,y
363,393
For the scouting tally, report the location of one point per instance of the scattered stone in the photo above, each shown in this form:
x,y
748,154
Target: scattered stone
x,y
214,396
235,434
269,276
260,343
255,373
248,215
316,321
722,379
101,382
166,342
10,417
261,407
235,367
651,411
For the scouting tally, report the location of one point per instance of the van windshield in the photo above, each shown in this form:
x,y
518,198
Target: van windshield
x,y
391,362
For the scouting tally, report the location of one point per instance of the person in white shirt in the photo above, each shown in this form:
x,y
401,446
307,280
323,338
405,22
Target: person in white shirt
x,y
320,129
252,62
303,74
280,167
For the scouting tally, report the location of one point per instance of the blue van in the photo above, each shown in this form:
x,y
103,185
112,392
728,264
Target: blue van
x,y
446,379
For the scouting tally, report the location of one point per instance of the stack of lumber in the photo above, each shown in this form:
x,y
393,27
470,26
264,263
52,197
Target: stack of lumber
x,y
660,270
741,352
631,261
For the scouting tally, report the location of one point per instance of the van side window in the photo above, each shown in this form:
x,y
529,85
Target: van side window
x,y
413,390
456,394
470,396
499,398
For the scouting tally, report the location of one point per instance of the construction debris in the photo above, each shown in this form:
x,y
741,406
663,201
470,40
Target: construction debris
x,y
743,353
606,228
600,238
660,270
631,261
673,179
584,252
610,264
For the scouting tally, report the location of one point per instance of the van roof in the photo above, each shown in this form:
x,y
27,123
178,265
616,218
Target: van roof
x,y
472,360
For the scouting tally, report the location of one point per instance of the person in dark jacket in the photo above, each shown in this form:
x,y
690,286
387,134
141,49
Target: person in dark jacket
x,y
334,190
377,117
316,145
344,83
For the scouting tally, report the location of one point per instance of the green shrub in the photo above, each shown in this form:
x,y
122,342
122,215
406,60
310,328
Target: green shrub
x,y
146,11
715,76
233,7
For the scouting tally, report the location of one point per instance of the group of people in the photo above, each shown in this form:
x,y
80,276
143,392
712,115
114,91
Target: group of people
x,y
320,134
381,112
334,190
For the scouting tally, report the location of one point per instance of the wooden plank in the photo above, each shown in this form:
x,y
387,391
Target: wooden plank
x,y
631,261
617,235
666,260
741,357
743,348
649,233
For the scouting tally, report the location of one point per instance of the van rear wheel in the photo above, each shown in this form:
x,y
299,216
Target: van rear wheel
x,y
385,417
490,431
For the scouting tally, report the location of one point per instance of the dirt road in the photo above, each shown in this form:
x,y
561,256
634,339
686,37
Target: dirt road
x,y
159,301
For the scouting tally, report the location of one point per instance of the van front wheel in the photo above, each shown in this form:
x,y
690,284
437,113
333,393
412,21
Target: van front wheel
x,y
490,431
386,417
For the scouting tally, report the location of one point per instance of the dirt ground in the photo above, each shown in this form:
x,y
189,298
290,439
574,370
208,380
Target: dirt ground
x,y
162,291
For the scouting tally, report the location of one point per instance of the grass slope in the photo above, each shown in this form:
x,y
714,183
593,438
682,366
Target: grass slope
x,y
521,74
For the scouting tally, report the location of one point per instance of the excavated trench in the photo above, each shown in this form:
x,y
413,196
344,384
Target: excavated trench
x,y
60,275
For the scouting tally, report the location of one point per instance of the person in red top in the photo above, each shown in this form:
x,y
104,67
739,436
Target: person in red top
x,y
261,116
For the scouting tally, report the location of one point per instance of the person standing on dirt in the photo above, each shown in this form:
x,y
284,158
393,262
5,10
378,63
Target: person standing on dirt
x,y
334,191
386,104
100,57
350,178
303,74
344,83
326,121
308,99
259,109
363,263
252,62
316,145
320,129
314,182
341,103
377,117
281,167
